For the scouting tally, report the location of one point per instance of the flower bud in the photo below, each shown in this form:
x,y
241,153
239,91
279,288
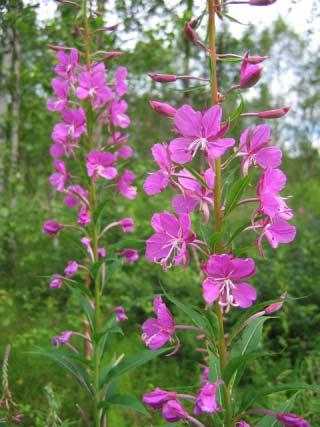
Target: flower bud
x,y
131,255
292,420
56,281
52,227
162,78
275,306
274,114
242,424
256,59
261,2
101,252
121,314
127,225
163,108
190,34
173,411
71,268
249,74
157,398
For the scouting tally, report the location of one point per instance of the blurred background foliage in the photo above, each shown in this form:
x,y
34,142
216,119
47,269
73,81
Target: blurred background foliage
x,y
151,35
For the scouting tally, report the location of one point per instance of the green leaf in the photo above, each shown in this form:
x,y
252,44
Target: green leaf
x,y
231,18
131,362
251,397
197,176
239,110
62,358
236,363
125,401
250,339
193,315
241,228
235,193
86,307
215,372
222,59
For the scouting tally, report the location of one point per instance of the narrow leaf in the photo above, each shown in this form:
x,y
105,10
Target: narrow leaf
x,y
125,401
235,193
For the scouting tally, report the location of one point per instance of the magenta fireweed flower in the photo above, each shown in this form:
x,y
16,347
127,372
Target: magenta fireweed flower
x,y
84,217
61,90
52,227
270,184
61,177
171,238
121,314
157,398
124,185
242,424
68,64
157,332
121,81
174,411
291,420
92,84
130,255
125,152
56,281
249,74
253,148
194,194
74,123
200,131
206,400
127,225
63,338
158,181
99,163
75,195
117,112
71,268
224,274
277,231
163,108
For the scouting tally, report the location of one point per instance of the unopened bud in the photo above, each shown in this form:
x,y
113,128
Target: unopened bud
x,y
274,114
261,2
249,74
190,34
194,22
256,59
111,54
163,108
275,306
162,78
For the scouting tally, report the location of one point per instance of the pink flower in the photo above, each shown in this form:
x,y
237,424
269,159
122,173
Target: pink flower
x,y
121,314
205,374
75,194
52,227
158,181
125,152
99,163
101,252
277,231
157,398
173,411
117,139
117,113
63,338
249,74
73,126
93,84
270,184
157,332
56,281
206,400
124,185
84,217
61,89
131,255
127,225
163,108
120,81
292,420
71,268
253,143
170,240
60,178
224,273
242,424
68,63
200,131
194,193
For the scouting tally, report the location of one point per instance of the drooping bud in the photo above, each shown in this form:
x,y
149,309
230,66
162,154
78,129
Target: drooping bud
x,y
189,33
52,227
163,108
130,255
274,114
56,281
71,268
261,2
173,411
163,78
292,420
111,55
272,308
249,74
157,398
127,225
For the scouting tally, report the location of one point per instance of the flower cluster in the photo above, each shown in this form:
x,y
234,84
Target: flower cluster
x,y
193,164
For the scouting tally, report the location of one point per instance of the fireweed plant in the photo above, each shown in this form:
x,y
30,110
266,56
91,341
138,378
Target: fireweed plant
x,y
89,174
203,138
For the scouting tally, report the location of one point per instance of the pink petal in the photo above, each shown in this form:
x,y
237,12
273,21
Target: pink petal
x,y
269,157
219,266
188,122
183,204
244,294
211,121
179,150
160,154
210,290
155,183
218,148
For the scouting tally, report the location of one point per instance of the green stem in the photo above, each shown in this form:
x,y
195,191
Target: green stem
x,y
222,348
94,235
